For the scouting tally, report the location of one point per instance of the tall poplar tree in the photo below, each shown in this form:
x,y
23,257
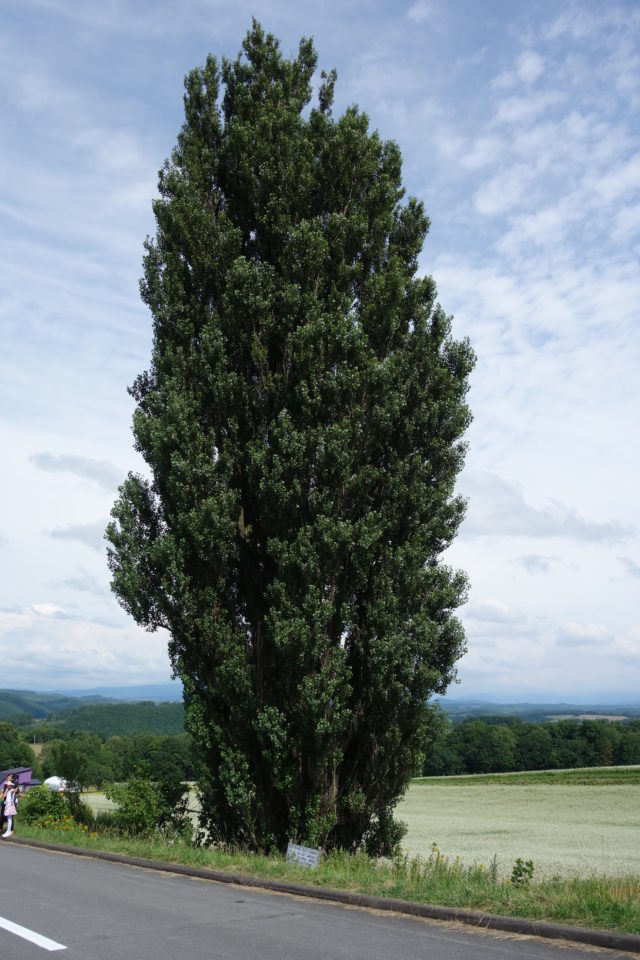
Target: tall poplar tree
x,y
301,419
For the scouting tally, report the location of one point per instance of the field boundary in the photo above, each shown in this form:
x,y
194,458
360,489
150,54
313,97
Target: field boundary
x,y
626,942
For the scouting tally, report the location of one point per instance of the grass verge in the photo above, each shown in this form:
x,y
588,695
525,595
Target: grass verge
x,y
598,903
580,776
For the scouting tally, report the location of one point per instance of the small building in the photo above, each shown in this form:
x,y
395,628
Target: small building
x,y
23,775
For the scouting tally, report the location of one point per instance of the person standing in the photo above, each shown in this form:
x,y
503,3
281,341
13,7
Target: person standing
x,y
2,796
9,805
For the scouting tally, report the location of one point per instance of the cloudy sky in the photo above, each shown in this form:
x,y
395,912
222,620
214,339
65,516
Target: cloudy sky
x,y
519,127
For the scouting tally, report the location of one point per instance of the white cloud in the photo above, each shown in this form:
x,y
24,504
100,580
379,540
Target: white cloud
x,y
530,66
100,471
494,611
497,508
89,534
84,583
627,222
546,227
37,90
423,10
620,181
575,634
114,151
631,567
536,563
120,16
47,609
77,651
484,151
581,22
523,109
626,648
504,192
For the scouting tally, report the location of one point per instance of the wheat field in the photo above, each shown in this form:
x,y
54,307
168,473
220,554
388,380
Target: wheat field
x,y
567,830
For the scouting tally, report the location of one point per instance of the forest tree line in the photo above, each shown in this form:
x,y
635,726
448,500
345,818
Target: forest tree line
x,y
105,719
93,761
492,745
116,719
496,745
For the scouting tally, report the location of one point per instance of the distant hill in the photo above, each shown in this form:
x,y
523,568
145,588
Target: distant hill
x,y
107,711
29,703
459,710
20,706
158,692
39,704
121,719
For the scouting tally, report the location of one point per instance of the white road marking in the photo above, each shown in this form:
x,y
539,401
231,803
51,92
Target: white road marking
x,y
30,935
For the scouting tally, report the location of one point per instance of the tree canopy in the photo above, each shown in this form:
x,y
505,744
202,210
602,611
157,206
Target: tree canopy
x,y
14,752
507,744
302,420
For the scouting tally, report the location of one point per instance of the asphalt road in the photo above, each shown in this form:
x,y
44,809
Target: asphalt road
x,y
106,911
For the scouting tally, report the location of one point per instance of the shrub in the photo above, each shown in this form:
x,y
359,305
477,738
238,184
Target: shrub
x,y
522,873
39,804
138,810
82,813
145,805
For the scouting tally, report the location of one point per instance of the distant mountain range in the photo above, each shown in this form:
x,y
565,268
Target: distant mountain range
x,y
40,704
159,692
537,712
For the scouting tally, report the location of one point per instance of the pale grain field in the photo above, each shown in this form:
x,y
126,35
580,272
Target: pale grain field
x,y
98,802
567,830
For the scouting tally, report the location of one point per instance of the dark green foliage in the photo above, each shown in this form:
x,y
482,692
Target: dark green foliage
x,y
43,732
476,746
161,756
39,805
522,873
18,719
118,756
534,747
21,706
68,760
122,719
14,752
302,420
18,704
138,810
83,813
145,805
77,760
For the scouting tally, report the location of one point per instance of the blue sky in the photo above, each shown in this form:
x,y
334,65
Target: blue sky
x,y
519,127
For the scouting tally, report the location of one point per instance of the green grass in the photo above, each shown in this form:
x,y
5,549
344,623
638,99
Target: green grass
x,y
587,776
606,903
